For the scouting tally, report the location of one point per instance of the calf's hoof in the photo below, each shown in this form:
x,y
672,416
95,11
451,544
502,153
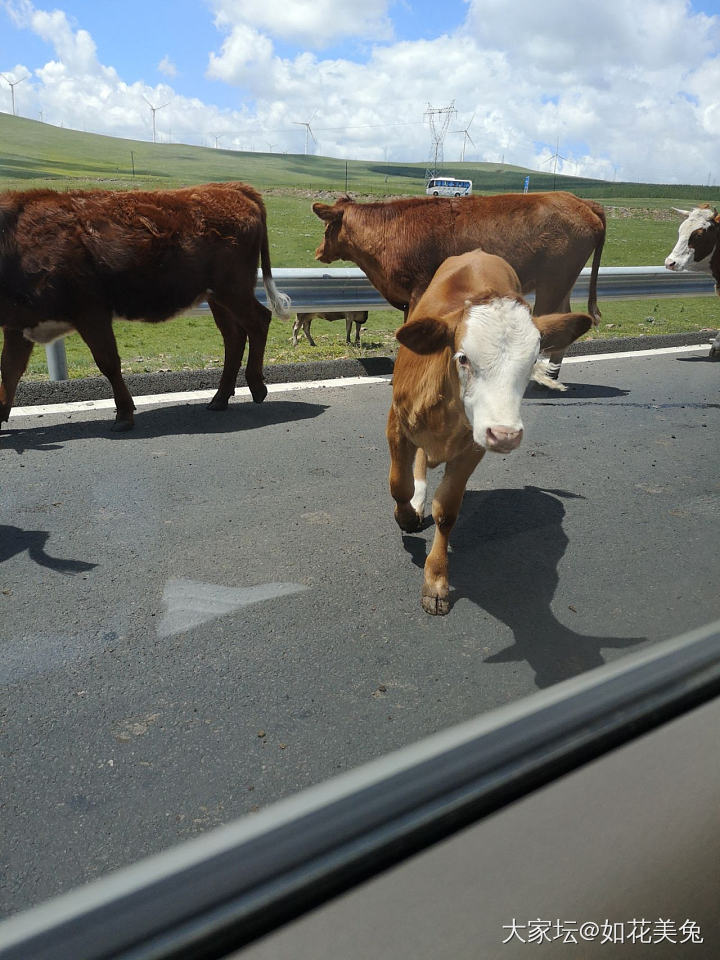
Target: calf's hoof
x,y
408,520
435,606
218,403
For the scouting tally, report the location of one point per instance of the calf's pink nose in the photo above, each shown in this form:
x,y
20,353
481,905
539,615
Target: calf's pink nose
x,y
503,439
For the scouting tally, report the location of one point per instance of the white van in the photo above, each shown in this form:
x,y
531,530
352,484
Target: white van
x,y
448,187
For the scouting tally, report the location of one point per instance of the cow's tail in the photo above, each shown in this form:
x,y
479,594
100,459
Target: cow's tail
x,y
593,309
280,303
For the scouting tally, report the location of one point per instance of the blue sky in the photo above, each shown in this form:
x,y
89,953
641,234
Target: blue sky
x,y
620,90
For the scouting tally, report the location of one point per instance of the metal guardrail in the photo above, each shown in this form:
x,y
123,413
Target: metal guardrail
x,y
347,288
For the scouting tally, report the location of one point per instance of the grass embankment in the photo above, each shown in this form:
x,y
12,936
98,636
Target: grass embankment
x,y
641,231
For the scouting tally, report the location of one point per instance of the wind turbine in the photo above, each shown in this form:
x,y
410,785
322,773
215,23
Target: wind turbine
x,y
308,130
12,84
467,137
556,156
154,111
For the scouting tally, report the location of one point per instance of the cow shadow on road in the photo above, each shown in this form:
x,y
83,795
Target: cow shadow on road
x,y
575,391
167,420
706,358
15,540
506,548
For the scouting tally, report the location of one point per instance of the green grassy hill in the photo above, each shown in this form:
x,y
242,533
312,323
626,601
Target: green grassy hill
x,y
38,154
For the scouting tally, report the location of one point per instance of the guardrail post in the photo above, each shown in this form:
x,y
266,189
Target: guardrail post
x,y
56,360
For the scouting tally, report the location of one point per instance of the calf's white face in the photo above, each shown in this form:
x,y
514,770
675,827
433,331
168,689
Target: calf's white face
x,y
497,346
697,236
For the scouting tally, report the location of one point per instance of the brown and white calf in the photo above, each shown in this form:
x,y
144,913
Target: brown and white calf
x,y
468,350
698,250
303,320
74,261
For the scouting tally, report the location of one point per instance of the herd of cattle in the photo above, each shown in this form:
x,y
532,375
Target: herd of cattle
x,y
456,268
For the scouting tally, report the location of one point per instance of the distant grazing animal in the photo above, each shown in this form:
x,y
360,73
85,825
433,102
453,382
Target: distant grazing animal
x,y
546,237
358,317
698,250
468,350
73,261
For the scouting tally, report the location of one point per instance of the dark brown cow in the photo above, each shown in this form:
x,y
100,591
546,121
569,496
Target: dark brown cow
x,y
546,237
303,320
467,352
73,261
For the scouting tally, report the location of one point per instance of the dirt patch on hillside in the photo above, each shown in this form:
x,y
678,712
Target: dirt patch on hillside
x,y
329,196
640,213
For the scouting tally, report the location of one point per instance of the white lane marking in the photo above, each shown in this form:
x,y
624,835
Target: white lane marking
x,y
159,398
179,397
632,354
189,603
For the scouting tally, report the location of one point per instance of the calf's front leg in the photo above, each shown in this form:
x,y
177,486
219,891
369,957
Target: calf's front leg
x,y
402,484
445,509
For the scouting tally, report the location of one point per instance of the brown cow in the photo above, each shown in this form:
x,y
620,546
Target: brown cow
x,y
73,261
467,351
303,320
546,237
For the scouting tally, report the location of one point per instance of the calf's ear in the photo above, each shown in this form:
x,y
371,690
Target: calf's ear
x,y
426,335
559,330
325,211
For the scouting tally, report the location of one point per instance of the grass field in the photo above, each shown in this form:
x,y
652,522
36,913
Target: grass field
x,y
641,231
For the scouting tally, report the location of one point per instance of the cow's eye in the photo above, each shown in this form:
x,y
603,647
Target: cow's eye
x,y
462,359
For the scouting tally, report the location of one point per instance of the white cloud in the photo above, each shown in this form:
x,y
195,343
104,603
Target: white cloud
x,y
245,54
76,49
167,67
309,23
585,39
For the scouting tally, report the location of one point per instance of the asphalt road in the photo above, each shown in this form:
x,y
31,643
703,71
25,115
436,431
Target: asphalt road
x,y
217,609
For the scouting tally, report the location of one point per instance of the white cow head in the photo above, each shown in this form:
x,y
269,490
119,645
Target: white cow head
x,y
697,237
494,346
